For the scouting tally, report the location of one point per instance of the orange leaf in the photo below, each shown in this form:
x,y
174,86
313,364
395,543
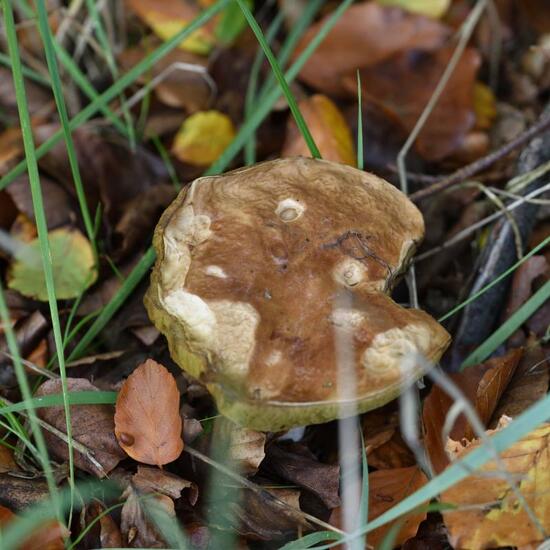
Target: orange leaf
x,y
489,514
366,34
48,536
328,128
147,420
482,385
387,488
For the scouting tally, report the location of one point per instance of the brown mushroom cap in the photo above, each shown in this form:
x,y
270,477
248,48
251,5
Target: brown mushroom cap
x,y
252,267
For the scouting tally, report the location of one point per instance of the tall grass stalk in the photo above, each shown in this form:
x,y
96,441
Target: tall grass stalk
x,y
40,218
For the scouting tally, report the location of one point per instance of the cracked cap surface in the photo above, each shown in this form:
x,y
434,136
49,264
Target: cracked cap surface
x,y
269,278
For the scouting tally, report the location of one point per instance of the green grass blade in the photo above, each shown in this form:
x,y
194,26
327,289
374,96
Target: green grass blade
x,y
289,96
502,276
121,84
47,40
508,327
273,29
38,207
313,538
56,400
114,305
28,404
31,74
360,160
79,78
364,502
266,103
111,64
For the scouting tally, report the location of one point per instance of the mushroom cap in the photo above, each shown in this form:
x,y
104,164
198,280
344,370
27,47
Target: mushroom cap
x,y
269,280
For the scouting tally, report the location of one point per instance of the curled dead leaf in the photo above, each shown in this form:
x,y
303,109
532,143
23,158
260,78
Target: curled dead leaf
x,y
328,128
147,415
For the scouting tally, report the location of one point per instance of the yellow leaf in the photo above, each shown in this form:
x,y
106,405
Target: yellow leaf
x,y
203,137
430,8
484,106
328,128
169,17
489,513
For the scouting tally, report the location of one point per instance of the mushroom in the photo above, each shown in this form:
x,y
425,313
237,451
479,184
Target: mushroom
x,y
248,284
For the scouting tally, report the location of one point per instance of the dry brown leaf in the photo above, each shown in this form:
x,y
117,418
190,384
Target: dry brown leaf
x,y
528,385
48,536
489,514
147,420
245,447
103,532
404,84
92,426
387,488
11,148
163,487
328,128
482,385
7,461
366,34
180,87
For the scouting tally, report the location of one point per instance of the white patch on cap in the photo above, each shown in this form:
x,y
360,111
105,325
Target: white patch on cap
x,y
273,358
235,338
193,313
349,272
184,229
389,351
215,271
347,318
289,210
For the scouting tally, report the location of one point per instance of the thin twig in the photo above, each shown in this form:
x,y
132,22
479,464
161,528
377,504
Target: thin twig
x,y
259,491
542,124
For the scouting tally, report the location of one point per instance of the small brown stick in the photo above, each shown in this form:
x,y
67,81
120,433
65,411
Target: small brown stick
x,y
481,164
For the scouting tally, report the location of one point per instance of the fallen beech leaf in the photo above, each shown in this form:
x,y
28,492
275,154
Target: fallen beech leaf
x,y
429,8
259,518
387,488
7,461
164,488
366,34
328,128
72,265
404,84
529,383
169,17
482,385
103,531
296,464
484,106
180,87
244,446
203,137
48,536
92,426
488,513
147,420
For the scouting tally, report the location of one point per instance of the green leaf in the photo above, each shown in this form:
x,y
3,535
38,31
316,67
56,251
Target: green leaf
x,y
72,261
